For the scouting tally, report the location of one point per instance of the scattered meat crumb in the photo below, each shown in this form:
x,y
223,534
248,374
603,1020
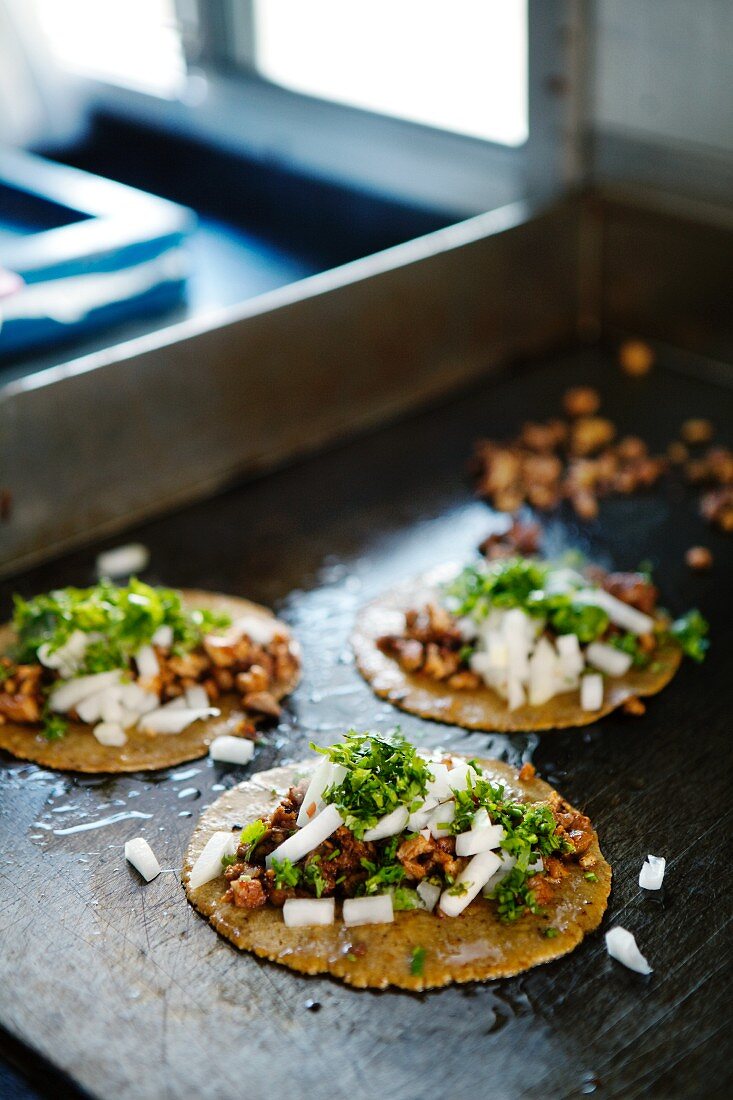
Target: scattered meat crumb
x,y
697,431
699,559
636,358
581,401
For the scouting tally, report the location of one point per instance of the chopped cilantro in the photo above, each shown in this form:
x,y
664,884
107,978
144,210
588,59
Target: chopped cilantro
x,y
313,875
54,726
6,671
458,889
465,653
567,616
519,582
285,874
405,898
126,617
417,961
591,876
382,773
690,632
530,833
506,583
513,897
551,933
252,834
390,873
629,643
227,861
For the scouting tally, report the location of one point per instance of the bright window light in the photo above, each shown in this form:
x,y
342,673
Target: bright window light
x,y
135,43
458,65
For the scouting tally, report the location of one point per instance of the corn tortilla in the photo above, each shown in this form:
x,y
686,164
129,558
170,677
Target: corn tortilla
x,y
79,751
482,708
476,946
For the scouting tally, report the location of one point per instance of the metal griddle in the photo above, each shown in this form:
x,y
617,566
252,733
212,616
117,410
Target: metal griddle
x,y
120,989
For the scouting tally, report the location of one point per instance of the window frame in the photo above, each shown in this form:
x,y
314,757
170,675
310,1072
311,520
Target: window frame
x,y
225,102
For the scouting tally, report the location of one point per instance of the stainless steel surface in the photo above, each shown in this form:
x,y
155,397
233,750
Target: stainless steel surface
x,y
90,447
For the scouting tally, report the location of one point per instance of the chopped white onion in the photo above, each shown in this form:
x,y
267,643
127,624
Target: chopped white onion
x,y
139,853
481,837
621,946
174,719
507,864
419,818
467,627
570,655
70,693
497,650
208,865
147,663
260,628
458,777
652,871
542,673
97,707
438,787
591,692
196,697
389,825
429,894
178,703
68,657
163,636
441,819
620,613
123,560
309,837
306,912
561,580
608,659
515,693
518,633
325,774
231,750
134,698
372,910
473,877
110,733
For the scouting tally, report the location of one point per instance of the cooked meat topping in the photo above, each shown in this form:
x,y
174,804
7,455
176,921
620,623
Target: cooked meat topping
x,y
252,671
634,589
340,861
521,538
423,855
432,644
19,707
572,825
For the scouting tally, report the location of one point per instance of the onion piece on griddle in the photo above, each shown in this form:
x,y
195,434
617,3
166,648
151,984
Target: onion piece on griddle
x,y
621,946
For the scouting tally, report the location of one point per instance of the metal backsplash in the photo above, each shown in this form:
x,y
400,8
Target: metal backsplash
x,y
95,445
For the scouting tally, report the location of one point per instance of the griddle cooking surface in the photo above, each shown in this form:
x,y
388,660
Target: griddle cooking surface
x,y
122,986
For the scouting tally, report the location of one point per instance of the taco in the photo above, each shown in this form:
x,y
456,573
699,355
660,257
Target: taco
x,y
384,866
517,644
118,679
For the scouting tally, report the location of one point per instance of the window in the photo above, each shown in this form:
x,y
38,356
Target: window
x,y
423,100
458,65
135,43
